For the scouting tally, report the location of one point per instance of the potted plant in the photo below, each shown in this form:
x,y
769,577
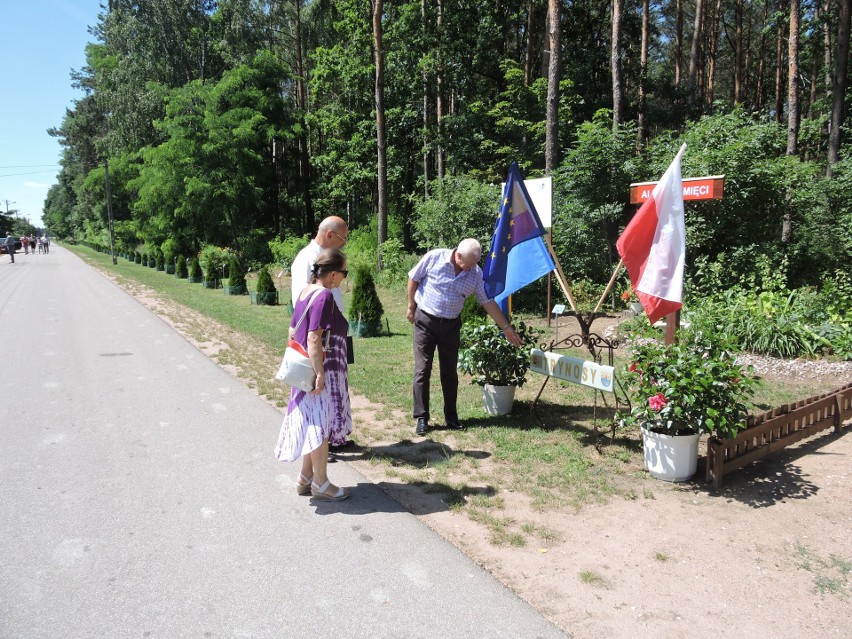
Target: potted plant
x,y
195,271
365,309
679,391
494,363
180,268
236,280
629,297
158,264
212,258
265,291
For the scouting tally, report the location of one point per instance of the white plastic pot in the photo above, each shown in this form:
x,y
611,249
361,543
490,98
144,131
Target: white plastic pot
x,y
670,457
498,400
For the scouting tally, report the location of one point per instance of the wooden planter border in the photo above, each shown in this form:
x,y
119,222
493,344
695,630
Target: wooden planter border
x,y
776,429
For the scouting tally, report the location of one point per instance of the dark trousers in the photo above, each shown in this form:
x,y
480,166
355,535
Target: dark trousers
x,y
444,334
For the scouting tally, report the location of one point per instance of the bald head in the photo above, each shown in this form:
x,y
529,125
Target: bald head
x,y
332,232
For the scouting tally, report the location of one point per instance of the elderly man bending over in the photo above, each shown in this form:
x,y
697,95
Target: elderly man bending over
x,y
437,288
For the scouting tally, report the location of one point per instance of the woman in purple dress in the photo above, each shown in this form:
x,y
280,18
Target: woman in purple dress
x,y
312,417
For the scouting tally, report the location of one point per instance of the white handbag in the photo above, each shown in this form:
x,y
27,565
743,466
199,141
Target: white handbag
x,y
296,368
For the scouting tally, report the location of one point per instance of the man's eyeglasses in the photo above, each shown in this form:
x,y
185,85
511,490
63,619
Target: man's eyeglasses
x,y
340,237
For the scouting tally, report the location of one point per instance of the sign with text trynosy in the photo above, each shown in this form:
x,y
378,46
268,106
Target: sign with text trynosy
x,y
573,369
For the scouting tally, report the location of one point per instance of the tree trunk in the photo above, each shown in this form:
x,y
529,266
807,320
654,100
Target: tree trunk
x,y
779,72
761,61
439,93
792,113
424,76
381,136
738,52
712,51
678,54
839,88
826,48
793,80
693,52
302,101
532,40
642,127
551,154
812,96
615,64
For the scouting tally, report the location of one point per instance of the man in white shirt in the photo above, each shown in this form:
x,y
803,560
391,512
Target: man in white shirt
x,y
332,233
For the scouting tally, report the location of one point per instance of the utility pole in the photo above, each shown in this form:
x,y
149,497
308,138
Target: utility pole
x,y
8,202
109,214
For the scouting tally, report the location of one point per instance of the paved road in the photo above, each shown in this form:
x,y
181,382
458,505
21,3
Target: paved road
x,y
139,496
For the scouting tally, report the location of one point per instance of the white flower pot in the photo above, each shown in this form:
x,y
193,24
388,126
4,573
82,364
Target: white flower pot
x,y
498,400
637,308
670,457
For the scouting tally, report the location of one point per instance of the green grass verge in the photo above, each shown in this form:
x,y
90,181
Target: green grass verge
x,y
553,459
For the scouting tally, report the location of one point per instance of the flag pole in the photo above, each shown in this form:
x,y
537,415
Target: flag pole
x,y
609,286
560,276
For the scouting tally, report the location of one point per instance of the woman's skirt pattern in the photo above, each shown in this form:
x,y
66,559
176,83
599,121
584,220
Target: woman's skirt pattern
x,y
310,419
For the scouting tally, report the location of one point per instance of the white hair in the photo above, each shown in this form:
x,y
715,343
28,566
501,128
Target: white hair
x,y
470,249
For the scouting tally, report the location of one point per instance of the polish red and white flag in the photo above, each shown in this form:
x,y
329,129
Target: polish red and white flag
x,y
653,246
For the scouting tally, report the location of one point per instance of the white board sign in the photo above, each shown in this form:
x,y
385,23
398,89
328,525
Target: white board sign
x,y
541,194
573,369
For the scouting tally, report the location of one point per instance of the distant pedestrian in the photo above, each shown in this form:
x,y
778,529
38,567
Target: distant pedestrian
x,y
32,243
10,245
25,244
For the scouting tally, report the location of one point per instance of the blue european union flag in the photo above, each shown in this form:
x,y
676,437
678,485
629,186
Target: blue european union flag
x,y
518,255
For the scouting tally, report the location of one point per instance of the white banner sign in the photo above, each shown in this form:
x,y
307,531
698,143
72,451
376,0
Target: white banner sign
x,y
573,369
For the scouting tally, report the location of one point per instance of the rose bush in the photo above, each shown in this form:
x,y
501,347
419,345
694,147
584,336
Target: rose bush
x,y
686,388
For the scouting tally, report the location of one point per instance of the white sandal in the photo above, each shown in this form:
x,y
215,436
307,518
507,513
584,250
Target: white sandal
x,y
303,488
318,492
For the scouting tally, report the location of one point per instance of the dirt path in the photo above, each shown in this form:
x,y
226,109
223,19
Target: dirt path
x,y
768,555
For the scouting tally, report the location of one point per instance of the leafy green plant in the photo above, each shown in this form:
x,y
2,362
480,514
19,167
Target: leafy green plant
x,y
212,258
686,387
285,251
159,261
490,358
180,267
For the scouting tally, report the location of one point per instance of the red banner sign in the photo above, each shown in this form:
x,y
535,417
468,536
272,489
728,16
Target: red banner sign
x,y
700,188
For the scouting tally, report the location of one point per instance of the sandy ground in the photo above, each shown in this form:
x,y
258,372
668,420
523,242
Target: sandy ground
x,y
767,555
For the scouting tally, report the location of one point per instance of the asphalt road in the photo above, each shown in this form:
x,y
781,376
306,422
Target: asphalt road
x,y
139,496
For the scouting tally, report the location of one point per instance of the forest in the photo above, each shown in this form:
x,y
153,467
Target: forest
x,y
242,123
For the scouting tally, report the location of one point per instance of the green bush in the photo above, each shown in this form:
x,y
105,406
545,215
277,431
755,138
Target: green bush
x,y
211,259
237,276
365,306
159,261
180,267
194,268
490,358
264,281
472,311
285,251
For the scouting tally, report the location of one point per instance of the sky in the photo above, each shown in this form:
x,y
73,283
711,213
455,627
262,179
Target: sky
x,y
42,41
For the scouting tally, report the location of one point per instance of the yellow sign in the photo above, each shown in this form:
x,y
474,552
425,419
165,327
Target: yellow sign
x,y
573,369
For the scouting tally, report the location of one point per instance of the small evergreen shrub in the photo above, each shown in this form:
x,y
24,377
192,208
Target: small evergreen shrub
x,y
264,281
159,261
180,267
365,311
195,268
236,277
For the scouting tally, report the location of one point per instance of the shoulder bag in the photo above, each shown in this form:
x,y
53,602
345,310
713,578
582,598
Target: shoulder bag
x,y
296,368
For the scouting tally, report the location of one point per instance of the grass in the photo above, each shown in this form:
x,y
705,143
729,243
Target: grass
x,y
831,576
554,458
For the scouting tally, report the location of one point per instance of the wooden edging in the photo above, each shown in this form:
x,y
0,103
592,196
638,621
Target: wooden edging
x,y
776,429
